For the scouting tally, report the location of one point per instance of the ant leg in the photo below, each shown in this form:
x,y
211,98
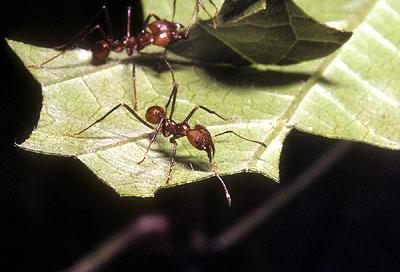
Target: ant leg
x,y
108,113
87,28
205,109
171,163
214,23
86,31
147,20
157,130
195,15
244,138
89,32
172,96
174,83
215,7
134,92
163,56
173,11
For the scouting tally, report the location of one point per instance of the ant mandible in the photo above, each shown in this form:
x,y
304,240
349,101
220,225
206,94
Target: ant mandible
x,y
159,32
160,121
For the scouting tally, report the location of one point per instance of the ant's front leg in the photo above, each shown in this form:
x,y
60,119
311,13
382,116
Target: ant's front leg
x,y
205,109
140,119
157,130
85,32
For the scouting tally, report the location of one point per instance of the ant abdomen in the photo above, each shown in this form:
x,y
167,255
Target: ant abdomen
x,y
155,114
199,137
100,52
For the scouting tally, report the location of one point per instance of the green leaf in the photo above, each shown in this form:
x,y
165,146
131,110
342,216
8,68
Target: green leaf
x,y
258,32
352,94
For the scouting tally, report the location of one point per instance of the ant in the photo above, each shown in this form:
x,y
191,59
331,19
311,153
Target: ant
x,y
160,121
159,32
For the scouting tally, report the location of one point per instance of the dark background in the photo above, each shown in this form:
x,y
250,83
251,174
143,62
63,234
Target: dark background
x,y
55,211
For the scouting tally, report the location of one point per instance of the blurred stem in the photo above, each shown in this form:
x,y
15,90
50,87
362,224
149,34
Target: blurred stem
x,y
248,223
137,230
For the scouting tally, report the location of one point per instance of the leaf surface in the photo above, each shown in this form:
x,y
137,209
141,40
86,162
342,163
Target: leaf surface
x,y
351,94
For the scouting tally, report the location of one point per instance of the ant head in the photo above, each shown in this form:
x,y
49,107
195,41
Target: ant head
x,y
200,138
155,114
100,52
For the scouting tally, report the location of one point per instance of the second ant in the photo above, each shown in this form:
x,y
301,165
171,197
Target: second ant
x,y
161,121
159,32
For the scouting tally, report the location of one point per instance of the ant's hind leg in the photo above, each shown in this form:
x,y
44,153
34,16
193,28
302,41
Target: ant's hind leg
x,y
157,130
241,137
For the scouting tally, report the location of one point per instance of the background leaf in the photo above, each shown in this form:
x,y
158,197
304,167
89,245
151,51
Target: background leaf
x,y
352,94
258,32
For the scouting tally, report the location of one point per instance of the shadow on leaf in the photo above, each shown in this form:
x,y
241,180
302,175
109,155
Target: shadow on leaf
x,y
231,75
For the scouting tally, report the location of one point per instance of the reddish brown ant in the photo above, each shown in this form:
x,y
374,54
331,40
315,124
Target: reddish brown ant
x,y
158,32
160,121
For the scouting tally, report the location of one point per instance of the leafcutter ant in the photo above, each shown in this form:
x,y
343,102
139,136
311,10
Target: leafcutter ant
x,y
161,121
159,32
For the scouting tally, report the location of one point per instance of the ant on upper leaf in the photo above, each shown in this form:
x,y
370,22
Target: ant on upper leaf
x,y
161,121
159,32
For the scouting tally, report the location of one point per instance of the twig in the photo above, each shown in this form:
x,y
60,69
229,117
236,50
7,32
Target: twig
x,y
143,227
